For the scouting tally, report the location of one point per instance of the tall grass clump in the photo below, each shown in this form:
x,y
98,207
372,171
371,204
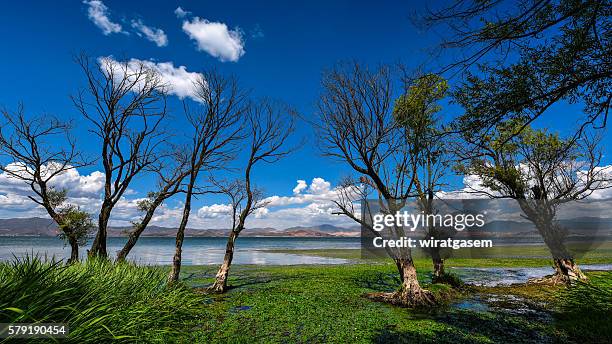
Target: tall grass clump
x,y
100,301
585,309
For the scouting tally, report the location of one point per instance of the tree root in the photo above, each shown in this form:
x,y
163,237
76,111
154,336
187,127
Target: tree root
x,y
217,288
557,279
405,298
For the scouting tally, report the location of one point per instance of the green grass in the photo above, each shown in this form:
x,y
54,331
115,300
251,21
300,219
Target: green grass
x,y
499,256
290,304
592,304
98,300
316,304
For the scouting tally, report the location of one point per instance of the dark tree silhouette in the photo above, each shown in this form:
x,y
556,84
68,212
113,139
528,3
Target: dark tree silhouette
x,y
521,57
216,124
269,127
37,160
125,102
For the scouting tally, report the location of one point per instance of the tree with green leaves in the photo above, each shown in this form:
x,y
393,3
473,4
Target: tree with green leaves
x,y
417,111
541,171
75,226
38,159
529,55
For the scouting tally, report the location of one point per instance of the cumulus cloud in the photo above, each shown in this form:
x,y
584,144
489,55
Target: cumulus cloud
x,y
179,81
98,13
215,38
319,186
304,209
301,185
214,211
155,35
82,190
181,13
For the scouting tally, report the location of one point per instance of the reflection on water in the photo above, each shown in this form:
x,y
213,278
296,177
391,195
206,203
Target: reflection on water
x,y
196,251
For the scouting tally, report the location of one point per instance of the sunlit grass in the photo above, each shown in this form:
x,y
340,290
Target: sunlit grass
x,y
98,300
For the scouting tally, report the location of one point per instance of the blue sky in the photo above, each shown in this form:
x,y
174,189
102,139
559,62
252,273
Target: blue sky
x,y
282,51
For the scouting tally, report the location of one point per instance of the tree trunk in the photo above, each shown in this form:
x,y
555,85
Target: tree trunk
x,y
135,234
220,284
438,264
567,271
74,250
410,293
98,247
180,236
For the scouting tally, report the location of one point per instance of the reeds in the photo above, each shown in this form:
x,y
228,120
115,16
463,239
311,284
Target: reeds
x,y
98,300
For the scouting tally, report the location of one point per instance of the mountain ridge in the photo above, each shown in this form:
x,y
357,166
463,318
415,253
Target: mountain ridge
x,y
37,226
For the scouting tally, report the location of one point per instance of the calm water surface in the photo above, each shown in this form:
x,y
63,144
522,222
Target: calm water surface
x,y
196,251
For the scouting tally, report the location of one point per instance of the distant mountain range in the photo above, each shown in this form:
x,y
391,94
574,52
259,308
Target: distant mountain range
x,y
37,226
584,226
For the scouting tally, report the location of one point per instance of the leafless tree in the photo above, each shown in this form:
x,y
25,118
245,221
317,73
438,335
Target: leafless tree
x,y
170,175
126,103
38,158
356,125
269,127
216,124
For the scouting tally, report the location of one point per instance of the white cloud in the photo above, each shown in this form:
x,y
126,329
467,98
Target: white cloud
x,y
319,186
215,38
155,35
214,211
98,13
181,13
179,81
82,190
301,185
305,208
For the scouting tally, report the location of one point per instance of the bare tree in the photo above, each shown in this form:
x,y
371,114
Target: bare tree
x,y
356,125
126,103
269,127
38,159
216,125
170,177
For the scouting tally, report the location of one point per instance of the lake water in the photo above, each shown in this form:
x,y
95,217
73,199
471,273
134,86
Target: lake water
x,y
196,251
210,251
